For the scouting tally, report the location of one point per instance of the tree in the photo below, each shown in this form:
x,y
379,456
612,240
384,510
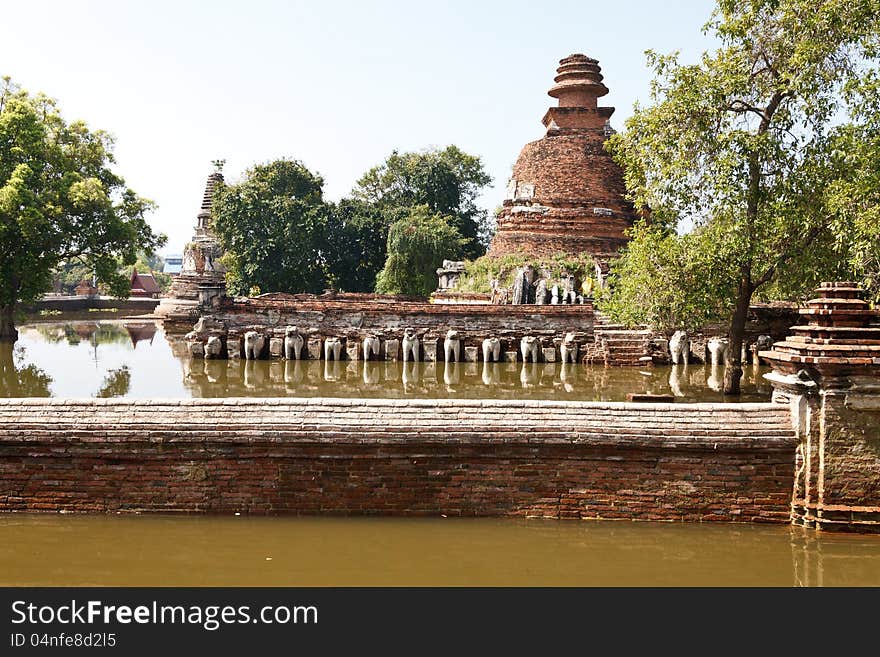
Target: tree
x,y
447,181
272,226
658,280
750,147
417,245
60,201
355,243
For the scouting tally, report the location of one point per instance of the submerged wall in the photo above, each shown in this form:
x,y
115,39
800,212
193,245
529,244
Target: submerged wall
x,y
732,462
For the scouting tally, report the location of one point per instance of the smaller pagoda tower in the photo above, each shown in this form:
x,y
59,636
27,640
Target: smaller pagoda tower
x,y
201,257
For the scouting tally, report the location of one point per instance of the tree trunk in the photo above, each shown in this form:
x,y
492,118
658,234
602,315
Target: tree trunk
x,y
734,371
7,324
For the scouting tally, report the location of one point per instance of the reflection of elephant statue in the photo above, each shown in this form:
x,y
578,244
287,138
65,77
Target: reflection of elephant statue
x,y
566,378
569,349
452,346
529,375
293,343
451,373
332,372
410,374
371,373
718,348
716,378
410,345
491,350
675,379
491,373
332,349
372,346
293,372
214,347
530,346
679,348
253,345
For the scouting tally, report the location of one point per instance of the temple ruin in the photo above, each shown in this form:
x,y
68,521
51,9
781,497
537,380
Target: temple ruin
x,y
566,194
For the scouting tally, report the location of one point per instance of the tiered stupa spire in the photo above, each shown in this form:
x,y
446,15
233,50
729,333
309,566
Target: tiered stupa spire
x,y
566,194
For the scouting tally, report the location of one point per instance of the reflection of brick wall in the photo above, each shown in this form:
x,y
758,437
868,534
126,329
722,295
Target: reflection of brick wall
x,y
399,457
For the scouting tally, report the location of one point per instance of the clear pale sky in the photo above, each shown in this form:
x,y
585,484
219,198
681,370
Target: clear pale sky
x,y
338,85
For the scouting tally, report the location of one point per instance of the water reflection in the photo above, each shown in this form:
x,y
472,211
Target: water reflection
x,y
18,380
56,550
136,359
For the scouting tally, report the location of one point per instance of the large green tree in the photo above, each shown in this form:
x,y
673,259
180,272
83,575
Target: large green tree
x,y
60,201
758,149
448,181
417,245
272,226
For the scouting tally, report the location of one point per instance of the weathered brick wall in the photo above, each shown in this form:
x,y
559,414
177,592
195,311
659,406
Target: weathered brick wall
x,y
406,457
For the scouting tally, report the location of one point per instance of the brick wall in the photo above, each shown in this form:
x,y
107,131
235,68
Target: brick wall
x,y
402,457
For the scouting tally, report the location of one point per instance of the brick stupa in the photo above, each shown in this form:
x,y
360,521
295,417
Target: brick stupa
x,y
566,194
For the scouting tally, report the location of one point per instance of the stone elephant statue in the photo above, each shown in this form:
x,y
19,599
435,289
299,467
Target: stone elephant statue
x,y
763,343
372,346
254,343
568,350
530,346
214,347
410,345
679,348
491,350
718,350
293,343
332,349
452,346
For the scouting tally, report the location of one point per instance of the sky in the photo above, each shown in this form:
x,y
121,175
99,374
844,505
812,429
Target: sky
x,y
337,85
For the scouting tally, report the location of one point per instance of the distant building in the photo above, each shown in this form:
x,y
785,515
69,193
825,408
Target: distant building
x,y
144,285
173,264
86,289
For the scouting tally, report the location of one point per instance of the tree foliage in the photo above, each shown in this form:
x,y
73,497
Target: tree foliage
x,y
417,245
447,181
280,235
760,149
60,201
272,226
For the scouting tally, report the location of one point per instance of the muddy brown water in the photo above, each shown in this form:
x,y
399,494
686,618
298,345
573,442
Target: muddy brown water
x,y
135,359
44,550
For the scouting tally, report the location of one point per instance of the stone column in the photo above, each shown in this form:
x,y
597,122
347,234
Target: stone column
x,y
828,371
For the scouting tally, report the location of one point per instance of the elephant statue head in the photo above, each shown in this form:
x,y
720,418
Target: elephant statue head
x,y
410,345
679,348
293,343
491,350
529,345
452,346
718,348
253,345
569,349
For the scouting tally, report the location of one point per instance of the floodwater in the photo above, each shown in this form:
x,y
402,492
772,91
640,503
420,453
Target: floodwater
x,y
107,358
40,550
135,359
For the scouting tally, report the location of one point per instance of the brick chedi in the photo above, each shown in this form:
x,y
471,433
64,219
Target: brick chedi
x,y
201,257
566,193
828,370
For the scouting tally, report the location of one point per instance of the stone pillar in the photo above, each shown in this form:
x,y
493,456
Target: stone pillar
x,y
828,371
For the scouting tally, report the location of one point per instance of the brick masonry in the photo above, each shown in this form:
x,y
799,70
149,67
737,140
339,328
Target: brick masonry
x,y
695,462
